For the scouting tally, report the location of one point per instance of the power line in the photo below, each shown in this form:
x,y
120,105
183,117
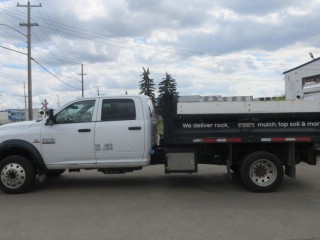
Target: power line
x,y
89,35
63,60
44,68
104,36
50,40
57,26
62,41
10,15
13,50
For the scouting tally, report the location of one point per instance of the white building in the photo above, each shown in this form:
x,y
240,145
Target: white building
x,y
303,82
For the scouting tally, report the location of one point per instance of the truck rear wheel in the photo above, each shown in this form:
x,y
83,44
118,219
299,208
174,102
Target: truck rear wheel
x,y
261,171
17,174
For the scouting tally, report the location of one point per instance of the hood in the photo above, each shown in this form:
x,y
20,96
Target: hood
x,y
17,126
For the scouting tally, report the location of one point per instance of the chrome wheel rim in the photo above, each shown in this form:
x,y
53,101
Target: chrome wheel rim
x,y
13,175
263,172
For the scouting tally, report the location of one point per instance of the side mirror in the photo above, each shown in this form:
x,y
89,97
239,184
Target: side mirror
x,y
50,120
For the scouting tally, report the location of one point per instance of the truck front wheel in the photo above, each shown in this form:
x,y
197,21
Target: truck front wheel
x,y
261,171
17,174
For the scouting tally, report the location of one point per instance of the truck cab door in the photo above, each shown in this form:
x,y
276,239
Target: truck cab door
x,y
119,133
70,140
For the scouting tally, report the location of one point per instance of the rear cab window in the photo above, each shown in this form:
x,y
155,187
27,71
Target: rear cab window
x,y
118,110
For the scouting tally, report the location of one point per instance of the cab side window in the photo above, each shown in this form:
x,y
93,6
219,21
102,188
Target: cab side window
x,y
118,110
77,112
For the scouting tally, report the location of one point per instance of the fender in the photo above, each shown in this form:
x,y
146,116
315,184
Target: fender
x,y
26,146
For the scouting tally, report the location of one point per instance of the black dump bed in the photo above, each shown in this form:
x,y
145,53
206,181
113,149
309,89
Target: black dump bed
x,y
182,128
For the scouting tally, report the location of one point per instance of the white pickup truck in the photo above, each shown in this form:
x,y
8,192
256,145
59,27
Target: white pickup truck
x,y
110,134
260,141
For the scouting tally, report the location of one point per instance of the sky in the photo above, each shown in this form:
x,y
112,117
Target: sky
x,y
221,47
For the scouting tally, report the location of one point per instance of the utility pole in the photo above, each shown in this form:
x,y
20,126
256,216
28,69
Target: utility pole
x,y
98,90
82,74
24,96
0,96
29,25
58,101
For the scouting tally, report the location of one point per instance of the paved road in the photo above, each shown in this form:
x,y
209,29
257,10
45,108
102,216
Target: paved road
x,y
149,205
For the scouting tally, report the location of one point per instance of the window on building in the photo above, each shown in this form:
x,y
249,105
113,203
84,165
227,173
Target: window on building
x,y
310,80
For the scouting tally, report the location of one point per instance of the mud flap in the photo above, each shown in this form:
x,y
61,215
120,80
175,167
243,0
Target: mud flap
x,y
290,164
309,156
229,161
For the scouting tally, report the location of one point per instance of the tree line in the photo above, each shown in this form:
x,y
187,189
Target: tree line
x,y
147,87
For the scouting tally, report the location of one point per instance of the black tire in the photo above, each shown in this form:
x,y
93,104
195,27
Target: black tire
x,y
55,173
17,174
261,172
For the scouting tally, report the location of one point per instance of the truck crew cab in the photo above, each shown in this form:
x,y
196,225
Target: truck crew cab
x,y
110,134
260,141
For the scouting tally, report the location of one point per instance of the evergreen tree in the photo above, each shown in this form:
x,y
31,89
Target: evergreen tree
x,y
167,85
146,85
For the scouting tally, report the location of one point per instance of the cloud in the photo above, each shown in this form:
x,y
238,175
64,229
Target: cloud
x,y
227,47
247,7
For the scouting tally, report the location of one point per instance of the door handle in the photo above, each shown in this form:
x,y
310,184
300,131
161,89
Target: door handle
x,y
84,130
134,128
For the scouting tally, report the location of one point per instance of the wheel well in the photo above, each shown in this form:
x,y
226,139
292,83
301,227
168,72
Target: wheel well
x,y
9,151
239,153
15,151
